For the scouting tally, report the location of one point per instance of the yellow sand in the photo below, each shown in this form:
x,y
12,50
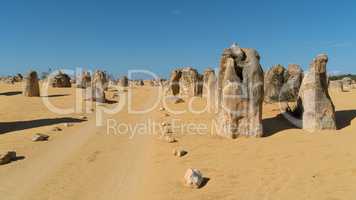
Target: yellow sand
x,y
83,162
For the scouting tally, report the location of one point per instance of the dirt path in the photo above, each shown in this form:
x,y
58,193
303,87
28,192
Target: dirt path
x,y
86,164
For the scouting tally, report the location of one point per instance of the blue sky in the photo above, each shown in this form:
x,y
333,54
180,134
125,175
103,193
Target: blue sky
x,y
160,35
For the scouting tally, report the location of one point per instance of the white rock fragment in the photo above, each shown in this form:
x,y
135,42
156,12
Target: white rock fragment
x,y
40,137
193,178
179,152
163,124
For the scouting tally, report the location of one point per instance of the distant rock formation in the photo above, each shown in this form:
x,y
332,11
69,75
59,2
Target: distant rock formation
x,y
185,82
31,86
314,105
12,79
84,80
347,83
274,80
281,84
336,85
292,82
174,81
98,86
190,83
61,80
124,81
206,75
210,89
240,92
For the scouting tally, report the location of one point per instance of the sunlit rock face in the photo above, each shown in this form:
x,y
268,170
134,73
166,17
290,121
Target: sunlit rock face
x,y
190,83
292,82
99,85
314,103
282,84
274,80
240,93
210,89
31,86
185,82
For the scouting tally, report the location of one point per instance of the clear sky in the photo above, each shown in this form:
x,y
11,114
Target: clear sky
x,y
160,35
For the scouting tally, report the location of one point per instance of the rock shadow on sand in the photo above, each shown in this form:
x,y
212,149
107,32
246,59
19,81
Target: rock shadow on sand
x,y
275,124
279,123
344,118
13,93
7,127
56,95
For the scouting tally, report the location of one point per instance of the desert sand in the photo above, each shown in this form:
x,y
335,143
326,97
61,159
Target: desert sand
x,y
86,162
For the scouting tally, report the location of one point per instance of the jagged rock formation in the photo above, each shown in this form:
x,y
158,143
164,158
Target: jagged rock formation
x,y
240,92
314,104
61,80
274,80
190,83
292,81
185,82
31,86
281,84
98,86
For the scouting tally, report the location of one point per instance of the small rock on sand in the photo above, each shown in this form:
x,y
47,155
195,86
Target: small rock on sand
x,y
170,139
68,124
162,109
7,157
40,137
83,117
179,152
56,129
163,124
193,178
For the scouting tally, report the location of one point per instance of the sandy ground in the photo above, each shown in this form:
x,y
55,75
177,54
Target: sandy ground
x,y
89,162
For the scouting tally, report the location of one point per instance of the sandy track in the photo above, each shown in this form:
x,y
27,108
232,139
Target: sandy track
x,y
85,164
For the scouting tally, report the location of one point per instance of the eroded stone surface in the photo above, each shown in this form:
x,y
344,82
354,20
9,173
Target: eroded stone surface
x,y
240,92
274,80
31,86
98,86
314,103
